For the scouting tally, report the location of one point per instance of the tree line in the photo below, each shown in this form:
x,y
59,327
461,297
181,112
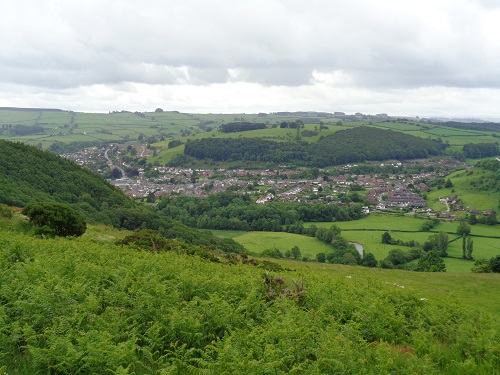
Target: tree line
x,y
480,150
242,126
486,126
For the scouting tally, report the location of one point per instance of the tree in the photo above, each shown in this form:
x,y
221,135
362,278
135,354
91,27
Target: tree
x,y
431,262
116,173
495,264
369,260
464,247
321,257
349,259
438,242
469,247
472,219
151,197
463,228
396,257
448,183
491,219
295,252
386,238
55,219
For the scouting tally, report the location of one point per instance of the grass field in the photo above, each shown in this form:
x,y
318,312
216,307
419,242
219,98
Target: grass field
x,y
368,232
257,242
377,221
470,197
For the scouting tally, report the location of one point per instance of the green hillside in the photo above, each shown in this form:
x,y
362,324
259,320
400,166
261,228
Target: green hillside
x,y
345,146
477,188
28,174
86,305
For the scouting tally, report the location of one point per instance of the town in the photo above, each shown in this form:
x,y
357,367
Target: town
x,y
391,188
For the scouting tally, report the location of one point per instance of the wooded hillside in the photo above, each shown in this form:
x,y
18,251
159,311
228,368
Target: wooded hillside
x,y
345,146
28,175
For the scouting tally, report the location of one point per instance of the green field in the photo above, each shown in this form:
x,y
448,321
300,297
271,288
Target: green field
x,y
123,124
257,242
470,197
368,232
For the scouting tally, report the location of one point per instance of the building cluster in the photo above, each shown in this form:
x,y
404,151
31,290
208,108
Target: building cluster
x,y
380,191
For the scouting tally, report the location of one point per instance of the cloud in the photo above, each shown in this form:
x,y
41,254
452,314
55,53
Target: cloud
x,y
308,48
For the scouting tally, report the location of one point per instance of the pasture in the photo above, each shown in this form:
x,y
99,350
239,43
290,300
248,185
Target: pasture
x,y
368,232
377,221
471,197
127,127
257,242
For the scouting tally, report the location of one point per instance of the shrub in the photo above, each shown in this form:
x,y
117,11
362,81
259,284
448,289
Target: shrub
x,y
495,264
272,253
481,266
147,239
431,262
5,211
55,219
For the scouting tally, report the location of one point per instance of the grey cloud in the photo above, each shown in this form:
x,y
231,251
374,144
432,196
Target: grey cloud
x,y
276,75
273,42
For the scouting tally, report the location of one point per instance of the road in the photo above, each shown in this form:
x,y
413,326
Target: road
x,y
111,165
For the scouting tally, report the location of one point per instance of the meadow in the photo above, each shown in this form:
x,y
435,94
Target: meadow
x,y
368,232
257,242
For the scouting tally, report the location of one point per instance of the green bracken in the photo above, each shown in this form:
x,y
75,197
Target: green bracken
x,y
84,306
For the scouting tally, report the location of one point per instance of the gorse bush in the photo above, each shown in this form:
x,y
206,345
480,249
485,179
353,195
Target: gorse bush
x,y
77,306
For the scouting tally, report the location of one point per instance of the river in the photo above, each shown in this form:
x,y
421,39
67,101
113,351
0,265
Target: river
x,y
358,247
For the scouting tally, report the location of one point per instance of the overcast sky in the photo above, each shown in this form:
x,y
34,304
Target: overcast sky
x,y
413,58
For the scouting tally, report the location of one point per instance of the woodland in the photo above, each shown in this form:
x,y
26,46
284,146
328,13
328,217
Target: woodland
x,y
345,146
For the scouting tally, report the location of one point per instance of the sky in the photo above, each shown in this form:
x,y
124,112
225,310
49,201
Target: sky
x,y
427,58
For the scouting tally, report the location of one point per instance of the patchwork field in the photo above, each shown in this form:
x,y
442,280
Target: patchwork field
x,y
368,232
127,126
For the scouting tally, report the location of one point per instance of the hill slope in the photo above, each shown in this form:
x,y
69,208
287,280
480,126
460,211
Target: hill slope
x,y
345,146
86,306
28,174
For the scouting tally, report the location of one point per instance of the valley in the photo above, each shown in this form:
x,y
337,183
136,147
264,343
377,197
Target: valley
x,y
237,264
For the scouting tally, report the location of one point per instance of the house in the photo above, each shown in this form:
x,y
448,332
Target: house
x,y
269,197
